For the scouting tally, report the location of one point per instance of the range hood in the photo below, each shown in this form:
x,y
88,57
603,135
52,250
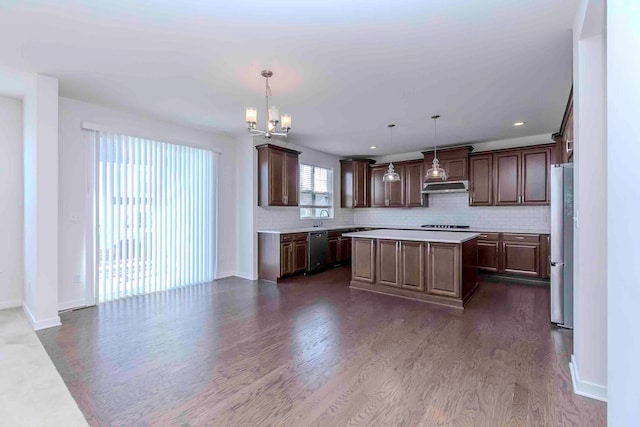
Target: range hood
x,y
445,187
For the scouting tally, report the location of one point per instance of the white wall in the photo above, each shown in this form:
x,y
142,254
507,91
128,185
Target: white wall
x,y
623,154
73,178
246,193
40,145
12,206
267,217
589,360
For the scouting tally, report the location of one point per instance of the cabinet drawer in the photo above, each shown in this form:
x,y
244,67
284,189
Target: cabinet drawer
x,y
286,237
524,238
298,237
336,233
491,237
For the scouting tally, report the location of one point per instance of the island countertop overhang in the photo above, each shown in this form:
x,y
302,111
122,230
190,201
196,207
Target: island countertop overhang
x,y
415,235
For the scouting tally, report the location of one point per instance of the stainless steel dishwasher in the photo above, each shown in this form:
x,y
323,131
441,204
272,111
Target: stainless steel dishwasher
x,y
318,250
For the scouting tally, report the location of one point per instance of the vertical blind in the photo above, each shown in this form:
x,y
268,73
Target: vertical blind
x,y
316,192
156,216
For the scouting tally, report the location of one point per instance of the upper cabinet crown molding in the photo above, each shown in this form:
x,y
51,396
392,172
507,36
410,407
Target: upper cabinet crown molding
x,y
278,176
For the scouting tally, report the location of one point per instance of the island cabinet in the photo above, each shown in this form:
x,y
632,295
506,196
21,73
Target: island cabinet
x,y
282,255
455,162
437,267
354,183
278,176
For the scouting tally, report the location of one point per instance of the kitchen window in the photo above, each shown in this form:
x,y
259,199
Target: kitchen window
x,y
316,192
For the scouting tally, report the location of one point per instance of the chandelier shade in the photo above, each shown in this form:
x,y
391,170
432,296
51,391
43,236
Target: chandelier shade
x,y
272,115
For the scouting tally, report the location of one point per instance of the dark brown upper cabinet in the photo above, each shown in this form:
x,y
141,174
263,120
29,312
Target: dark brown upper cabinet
x,y
354,183
508,178
481,180
455,161
521,177
387,194
278,179
564,137
414,177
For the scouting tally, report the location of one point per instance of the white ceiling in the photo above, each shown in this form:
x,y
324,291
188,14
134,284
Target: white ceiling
x,y
343,69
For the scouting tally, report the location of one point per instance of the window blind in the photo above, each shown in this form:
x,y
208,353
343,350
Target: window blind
x,y
316,192
156,216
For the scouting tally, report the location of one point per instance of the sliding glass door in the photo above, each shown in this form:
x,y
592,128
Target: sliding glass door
x,y
156,216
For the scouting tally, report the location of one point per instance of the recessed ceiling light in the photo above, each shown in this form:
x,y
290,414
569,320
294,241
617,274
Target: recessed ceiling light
x,y
373,147
519,123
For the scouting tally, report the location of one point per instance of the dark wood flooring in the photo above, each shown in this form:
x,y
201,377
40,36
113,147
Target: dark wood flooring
x,y
311,351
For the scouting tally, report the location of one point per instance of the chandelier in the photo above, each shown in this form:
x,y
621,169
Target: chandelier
x,y
436,172
272,116
391,175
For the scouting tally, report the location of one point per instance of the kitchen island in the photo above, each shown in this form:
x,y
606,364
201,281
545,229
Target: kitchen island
x,y
440,267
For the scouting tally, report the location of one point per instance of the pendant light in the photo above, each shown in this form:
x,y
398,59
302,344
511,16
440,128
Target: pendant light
x,y
272,115
391,175
436,172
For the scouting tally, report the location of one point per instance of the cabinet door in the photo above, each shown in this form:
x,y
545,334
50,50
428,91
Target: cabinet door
x,y
378,193
507,179
481,180
535,176
521,258
364,260
444,269
361,184
286,258
488,255
344,249
292,185
277,167
299,256
388,265
456,168
413,184
395,190
332,257
412,265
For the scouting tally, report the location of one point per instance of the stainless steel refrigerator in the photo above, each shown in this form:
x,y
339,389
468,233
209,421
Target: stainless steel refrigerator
x,y
561,257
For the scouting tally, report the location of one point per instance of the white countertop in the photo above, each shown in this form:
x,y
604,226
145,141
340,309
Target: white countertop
x,y
287,230
415,235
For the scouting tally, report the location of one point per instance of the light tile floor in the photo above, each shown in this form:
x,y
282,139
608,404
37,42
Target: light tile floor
x,y
32,392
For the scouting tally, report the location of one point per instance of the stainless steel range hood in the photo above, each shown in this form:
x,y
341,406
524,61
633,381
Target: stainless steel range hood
x,y
445,187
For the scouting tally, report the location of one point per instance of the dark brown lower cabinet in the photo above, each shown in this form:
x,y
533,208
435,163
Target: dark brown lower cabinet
x,y
444,269
332,256
286,258
344,249
489,252
363,260
300,256
412,265
521,254
388,263
339,248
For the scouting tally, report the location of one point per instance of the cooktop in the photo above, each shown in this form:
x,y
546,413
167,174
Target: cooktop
x,y
447,226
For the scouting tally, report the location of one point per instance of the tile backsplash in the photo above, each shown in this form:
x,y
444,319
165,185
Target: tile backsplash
x,y
443,209
289,217
454,209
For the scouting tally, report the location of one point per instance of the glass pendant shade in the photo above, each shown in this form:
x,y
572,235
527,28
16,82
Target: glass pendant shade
x,y
391,175
436,172
286,122
251,116
274,115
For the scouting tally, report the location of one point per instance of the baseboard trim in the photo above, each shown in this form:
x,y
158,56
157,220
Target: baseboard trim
x,y
68,305
11,303
225,274
40,324
246,276
585,388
